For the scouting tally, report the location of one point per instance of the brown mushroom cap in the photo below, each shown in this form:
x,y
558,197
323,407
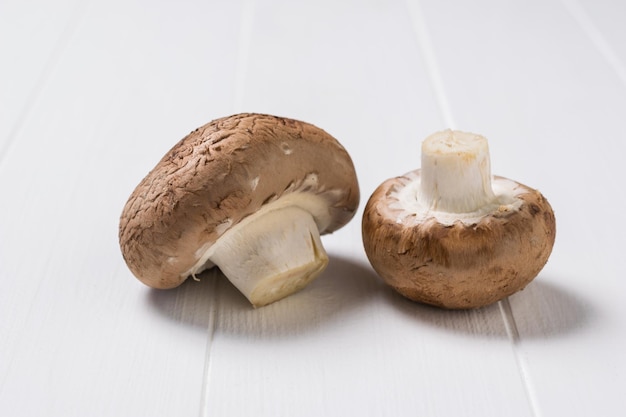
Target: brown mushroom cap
x,y
458,265
218,175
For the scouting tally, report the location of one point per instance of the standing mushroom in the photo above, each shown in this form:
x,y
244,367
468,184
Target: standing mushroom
x,y
249,193
453,236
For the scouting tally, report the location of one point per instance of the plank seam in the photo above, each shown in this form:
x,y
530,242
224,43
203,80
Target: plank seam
x,y
426,47
243,52
513,333
52,61
208,357
432,68
579,14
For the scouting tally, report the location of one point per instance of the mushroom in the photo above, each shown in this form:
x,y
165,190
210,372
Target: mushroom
x,y
453,236
248,193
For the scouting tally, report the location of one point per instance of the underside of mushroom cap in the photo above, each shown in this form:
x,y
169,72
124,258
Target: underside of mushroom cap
x,y
222,173
460,264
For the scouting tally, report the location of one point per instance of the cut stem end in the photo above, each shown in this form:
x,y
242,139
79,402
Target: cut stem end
x,y
273,256
456,172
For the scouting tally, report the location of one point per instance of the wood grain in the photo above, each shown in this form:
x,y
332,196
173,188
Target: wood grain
x,y
92,94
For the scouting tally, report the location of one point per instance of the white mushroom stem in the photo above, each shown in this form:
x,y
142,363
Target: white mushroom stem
x,y
455,173
274,255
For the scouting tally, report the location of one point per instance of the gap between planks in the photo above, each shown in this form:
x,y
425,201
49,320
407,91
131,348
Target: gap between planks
x,y
432,69
425,45
243,52
577,11
513,333
61,44
208,357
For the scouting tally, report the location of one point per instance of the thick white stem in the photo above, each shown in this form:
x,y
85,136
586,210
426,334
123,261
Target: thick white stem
x,y
455,173
273,256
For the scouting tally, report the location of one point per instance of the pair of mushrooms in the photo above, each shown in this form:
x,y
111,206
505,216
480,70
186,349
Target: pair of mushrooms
x,y
251,194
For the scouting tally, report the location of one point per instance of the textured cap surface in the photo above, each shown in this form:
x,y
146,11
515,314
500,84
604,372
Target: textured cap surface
x,y
459,265
221,173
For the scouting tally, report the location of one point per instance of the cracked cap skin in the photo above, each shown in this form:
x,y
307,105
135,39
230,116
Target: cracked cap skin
x,y
221,173
458,266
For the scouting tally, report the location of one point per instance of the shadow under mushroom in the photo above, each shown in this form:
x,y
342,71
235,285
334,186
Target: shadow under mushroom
x,y
343,288
542,310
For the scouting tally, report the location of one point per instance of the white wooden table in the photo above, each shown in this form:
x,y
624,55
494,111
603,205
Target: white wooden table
x,y
93,93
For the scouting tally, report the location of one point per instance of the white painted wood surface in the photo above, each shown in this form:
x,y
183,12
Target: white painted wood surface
x,y
93,93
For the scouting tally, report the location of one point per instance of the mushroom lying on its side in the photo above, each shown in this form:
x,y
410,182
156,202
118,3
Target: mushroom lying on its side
x,y
249,193
453,236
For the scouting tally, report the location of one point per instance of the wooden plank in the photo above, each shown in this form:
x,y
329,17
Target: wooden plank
x,y
532,80
601,21
347,344
33,36
79,335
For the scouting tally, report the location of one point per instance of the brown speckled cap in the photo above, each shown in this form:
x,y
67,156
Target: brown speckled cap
x,y
457,265
218,175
